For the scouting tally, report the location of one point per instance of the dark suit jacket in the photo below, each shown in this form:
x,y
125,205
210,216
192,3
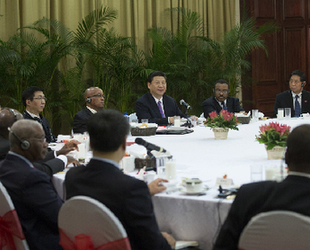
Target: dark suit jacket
x,y
292,194
49,165
127,197
46,126
35,200
80,119
285,100
209,105
146,108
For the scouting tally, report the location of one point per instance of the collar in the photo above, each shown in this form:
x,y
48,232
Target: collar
x,y
32,115
106,160
22,158
220,103
298,174
91,110
293,94
157,100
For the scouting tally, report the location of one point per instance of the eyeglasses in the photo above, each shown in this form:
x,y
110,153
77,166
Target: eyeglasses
x,y
40,98
294,81
217,91
98,95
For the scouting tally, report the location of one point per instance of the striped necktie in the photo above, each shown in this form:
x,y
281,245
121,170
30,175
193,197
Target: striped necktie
x,y
161,109
224,106
297,107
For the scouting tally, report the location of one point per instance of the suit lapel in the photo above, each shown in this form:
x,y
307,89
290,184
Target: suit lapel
x,y
217,106
154,106
305,102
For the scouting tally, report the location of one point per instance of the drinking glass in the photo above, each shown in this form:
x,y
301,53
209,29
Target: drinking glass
x,y
287,113
255,115
177,121
280,114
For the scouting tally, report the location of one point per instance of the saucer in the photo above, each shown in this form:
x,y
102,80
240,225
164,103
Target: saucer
x,y
183,190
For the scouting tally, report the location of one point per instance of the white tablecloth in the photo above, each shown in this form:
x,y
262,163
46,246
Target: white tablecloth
x,y
197,154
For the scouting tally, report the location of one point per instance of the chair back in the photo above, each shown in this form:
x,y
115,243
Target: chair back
x,y
283,230
85,222
11,233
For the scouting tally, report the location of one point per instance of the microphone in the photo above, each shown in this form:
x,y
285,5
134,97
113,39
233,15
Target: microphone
x,y
149,146
182,102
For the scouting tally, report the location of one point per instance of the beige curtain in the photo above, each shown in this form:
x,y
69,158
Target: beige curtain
x,y
135,17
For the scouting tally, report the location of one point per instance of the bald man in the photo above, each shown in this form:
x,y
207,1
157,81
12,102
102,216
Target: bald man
x,y
94,99
34,197
54,161
7,118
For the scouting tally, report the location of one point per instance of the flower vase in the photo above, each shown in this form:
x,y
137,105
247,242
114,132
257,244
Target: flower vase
x,y
276,153
220,133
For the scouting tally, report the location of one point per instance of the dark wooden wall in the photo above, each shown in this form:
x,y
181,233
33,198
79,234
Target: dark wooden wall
x,y
288,50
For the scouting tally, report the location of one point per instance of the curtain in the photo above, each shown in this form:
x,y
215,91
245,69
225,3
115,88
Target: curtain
x,y
134,18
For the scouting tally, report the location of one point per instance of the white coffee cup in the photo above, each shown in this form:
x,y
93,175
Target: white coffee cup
x,y
193,185
128,163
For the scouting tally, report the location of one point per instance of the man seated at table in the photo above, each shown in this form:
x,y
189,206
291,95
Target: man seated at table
x,y
127,197
155,105
221,100
297,99
34,101
54,161
94,99
292,194
34,197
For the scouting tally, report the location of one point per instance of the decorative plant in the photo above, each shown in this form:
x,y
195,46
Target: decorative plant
x,y
224,120
273,134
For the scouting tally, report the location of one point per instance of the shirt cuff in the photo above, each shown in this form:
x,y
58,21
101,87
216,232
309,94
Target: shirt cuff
x,y
63,158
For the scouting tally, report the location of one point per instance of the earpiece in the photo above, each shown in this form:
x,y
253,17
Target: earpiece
x,y
88,99
302,84
24,144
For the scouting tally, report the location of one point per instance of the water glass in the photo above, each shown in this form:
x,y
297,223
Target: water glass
x,y
287,113
177,121
256,173
255,115
145,120
280,114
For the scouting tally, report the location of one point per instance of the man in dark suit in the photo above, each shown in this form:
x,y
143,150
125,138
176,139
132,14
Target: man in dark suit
x,y
155,105
94,99
127,197
292,194
54,161
34,102
296,98
34,197
221,100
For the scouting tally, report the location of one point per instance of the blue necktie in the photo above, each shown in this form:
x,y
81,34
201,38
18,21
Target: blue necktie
x,y
161,109
297,106
224,106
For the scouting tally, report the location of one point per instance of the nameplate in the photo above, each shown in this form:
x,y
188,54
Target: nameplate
x,y
224,182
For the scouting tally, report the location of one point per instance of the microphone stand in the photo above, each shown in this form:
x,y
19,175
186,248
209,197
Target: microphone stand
x,y
188,121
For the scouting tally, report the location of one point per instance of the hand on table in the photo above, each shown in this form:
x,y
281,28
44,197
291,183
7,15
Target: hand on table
x,y
155,187
193,116
69,146
72,160
171,241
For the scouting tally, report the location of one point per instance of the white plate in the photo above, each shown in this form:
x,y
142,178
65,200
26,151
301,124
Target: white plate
x,y
183,190
176,128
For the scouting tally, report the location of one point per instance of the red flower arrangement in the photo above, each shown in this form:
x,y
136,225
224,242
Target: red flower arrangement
x,y
224,120
273,134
